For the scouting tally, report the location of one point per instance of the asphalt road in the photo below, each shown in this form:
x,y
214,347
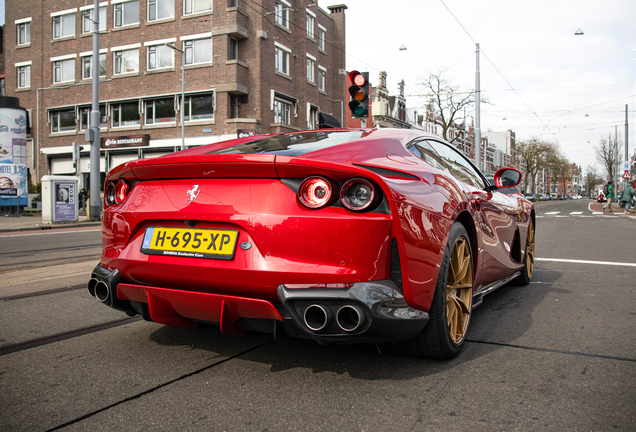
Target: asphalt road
x,y
557,355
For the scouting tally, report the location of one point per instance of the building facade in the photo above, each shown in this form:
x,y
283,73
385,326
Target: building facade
x,y
251,67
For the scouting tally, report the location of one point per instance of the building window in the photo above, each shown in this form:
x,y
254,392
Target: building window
x,y
87,66
198,51
312,119
63,121
233,49
160,111
126,61
85,117
125,114
24,33
2,87
87,19
282,59
126,13
160,9
234,106
24,76
197,6
282,112
282,13
160,57
64,71
322,74
310,25
64,26
322,33
232,3
311,62
199,107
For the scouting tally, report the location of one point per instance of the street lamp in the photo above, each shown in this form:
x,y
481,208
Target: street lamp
x,y
169,45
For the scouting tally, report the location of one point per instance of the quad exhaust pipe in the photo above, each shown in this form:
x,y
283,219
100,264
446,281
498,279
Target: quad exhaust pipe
x,y
350,318
99,289
319,317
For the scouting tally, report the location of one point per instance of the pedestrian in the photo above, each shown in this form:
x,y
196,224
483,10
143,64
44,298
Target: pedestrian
x,y
607,190
628,195
82,198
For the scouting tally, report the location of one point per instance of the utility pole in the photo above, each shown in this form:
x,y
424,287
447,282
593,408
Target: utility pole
x,y
477,113
92,134
626,133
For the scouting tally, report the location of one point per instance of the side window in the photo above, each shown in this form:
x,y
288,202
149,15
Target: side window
x,y
424,151
458,165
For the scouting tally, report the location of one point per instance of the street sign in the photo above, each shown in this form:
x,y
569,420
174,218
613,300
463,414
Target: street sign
x,y
626,165
626,176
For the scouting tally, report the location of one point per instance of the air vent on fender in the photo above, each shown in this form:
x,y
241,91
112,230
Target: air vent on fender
x,y
388,172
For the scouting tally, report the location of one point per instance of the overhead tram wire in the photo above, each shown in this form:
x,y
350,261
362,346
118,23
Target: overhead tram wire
x,y
497,69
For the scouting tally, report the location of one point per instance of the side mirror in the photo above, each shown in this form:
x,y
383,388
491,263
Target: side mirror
x,y
507,177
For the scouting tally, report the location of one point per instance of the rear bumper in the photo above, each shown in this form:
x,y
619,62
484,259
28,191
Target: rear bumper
x,y
365,312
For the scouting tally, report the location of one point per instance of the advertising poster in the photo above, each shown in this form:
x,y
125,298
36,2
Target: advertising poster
x,y
64,199
13,155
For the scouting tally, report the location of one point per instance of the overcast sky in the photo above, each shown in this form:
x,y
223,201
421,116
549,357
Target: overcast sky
x,y
538,75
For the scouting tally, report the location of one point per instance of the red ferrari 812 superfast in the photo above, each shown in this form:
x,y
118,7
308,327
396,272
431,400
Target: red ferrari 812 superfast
x,y
338,235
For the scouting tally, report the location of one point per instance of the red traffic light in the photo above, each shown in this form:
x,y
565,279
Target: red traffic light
x,y
359,91
359,80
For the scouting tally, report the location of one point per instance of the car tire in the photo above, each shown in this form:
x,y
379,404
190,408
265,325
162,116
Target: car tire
x,y
442,338
528,258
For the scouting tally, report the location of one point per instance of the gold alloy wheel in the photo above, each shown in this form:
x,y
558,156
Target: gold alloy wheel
x,y
530,250
459,290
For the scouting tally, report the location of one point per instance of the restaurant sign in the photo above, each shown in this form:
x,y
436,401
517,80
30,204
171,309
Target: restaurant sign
x,y
125,141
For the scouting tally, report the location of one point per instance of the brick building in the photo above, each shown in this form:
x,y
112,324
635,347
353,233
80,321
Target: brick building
x,y
251,67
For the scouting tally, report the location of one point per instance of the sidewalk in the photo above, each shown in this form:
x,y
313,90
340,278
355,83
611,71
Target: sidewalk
x,y
598,207
34,222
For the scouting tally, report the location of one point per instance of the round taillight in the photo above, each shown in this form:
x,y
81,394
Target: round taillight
x,y
110,194
315,192
357,194
121,190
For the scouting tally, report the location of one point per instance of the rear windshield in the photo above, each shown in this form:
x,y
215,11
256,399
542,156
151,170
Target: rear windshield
x,y
293,144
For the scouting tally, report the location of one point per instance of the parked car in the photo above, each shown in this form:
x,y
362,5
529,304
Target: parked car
x,y
338,235
531,197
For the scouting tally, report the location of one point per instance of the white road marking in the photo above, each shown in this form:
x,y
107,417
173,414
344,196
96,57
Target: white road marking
x,y
586,262
576,213
552,212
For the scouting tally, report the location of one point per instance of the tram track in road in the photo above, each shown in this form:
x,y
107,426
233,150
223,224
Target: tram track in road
x,y
41,293
29,265
66,335
22,254
159,387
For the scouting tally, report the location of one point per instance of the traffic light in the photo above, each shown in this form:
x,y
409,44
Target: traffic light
x,y
359,91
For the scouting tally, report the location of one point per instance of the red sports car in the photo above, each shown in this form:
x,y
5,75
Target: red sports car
x,y
338,235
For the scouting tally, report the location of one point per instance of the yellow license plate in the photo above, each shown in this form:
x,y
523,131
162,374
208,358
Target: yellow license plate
x,y
190,242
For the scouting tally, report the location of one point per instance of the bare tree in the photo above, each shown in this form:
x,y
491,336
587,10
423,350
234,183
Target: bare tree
x,y
447,100
592,179
553,162
532,154
607,153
